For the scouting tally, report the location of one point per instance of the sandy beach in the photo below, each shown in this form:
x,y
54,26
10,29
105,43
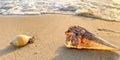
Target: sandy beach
x,y
49,31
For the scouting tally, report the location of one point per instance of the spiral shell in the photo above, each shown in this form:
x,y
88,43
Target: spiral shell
x,y
79,38
21,40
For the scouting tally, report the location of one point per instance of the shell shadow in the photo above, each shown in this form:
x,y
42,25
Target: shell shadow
x,y
74,54
8,49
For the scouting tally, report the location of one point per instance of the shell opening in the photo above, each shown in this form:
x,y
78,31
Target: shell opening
x,y
32,39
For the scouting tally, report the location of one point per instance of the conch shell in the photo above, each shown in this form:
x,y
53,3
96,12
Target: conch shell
x,y
80,38
22,40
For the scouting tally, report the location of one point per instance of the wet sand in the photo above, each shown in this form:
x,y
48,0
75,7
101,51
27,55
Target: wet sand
x,y
49,33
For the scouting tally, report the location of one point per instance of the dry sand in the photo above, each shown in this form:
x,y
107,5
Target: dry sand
x,y
49,32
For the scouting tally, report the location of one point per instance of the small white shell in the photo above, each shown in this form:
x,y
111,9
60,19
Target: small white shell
x,y
84,12
20,40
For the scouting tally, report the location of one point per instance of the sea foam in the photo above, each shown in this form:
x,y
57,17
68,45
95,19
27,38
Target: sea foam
x,y
104,9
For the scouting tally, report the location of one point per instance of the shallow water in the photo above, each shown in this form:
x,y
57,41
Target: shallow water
x,y
102,9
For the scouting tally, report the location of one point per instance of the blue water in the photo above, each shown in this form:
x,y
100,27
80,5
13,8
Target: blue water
x,y
105,9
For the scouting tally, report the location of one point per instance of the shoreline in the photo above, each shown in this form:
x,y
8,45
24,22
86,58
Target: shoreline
x,y
89,17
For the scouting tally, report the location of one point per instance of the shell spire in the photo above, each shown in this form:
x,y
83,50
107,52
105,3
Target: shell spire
x,y
78,37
